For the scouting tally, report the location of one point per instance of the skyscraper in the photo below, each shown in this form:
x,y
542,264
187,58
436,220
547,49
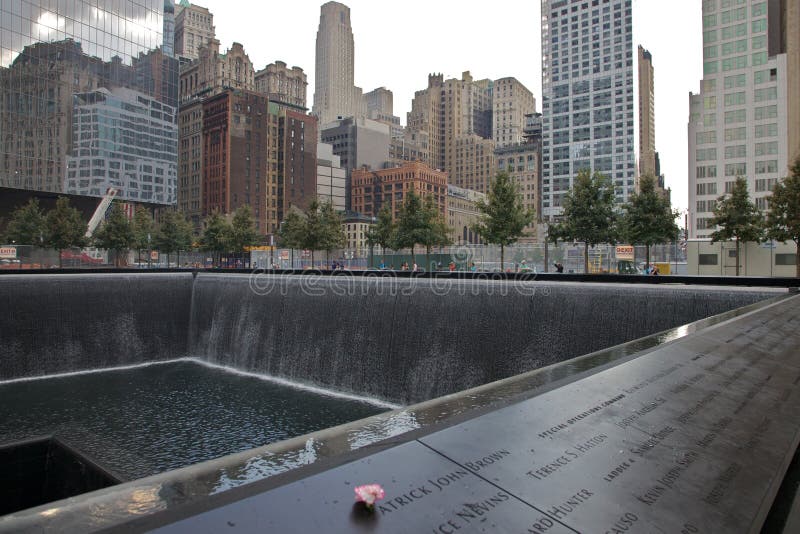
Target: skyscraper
x,y
456,115
790,33
738,122
512,103
335,94
587,91
647,114
59,60
168,32
284,85
194,28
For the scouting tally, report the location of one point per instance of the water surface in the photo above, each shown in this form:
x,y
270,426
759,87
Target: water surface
x,y
141,421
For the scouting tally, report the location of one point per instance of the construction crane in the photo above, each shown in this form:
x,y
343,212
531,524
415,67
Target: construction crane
x,y
100,212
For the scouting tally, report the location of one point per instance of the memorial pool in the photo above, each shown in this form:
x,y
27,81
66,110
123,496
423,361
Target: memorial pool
x,y
152,418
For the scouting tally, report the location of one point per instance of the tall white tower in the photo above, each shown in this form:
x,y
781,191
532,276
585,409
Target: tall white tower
x,y
335,94
587,92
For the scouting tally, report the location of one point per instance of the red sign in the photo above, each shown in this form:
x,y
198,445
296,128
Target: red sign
x,y
624,252
9,253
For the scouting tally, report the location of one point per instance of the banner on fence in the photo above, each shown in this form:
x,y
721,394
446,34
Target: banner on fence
x,y
624,252
8,253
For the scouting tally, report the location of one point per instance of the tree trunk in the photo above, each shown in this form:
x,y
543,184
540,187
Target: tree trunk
x,y
428,257
312,259
796,259
60,264
413,257
737,256
502,257
647,257
585,257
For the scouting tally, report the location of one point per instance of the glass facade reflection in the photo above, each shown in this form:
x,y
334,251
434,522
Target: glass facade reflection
x,y
64,66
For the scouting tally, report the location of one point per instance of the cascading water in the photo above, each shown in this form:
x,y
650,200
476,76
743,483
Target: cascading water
x,y
400,340
406,340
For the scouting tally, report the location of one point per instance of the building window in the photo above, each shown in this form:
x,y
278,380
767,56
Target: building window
x,y
707,259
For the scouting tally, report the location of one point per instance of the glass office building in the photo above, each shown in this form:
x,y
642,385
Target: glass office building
x,y
53,54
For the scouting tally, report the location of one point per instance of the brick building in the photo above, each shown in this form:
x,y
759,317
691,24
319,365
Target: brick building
x,y
371,190
297,160
240,156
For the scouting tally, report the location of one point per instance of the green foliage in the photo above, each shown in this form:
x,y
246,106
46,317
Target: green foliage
x,y
317,228
383,231
648,218
292,231
588,211
437,233
116,233
26,225
64,227
412,224
216,234
142,228
783,219
312,233
503,216
243,230
174,232
332,236
737,218
589,214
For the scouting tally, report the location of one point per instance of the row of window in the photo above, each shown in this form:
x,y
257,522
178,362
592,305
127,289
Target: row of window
x,y
737,151
788,259
733,63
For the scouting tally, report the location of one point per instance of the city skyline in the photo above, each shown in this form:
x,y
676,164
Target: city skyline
x,y
677,62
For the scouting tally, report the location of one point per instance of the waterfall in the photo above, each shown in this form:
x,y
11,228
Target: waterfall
x,y
399,340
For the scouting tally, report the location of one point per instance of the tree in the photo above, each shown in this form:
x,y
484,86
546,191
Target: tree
x,y
783,219
142,226
383,231
292,231
242,230
174,233
737,218
648,218
503,217
26,225
588,213
216,234
116,233
332,234
313,234
64,227
437,232
412,224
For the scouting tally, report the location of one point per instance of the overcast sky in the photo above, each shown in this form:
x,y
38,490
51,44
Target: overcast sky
x,y
398,43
